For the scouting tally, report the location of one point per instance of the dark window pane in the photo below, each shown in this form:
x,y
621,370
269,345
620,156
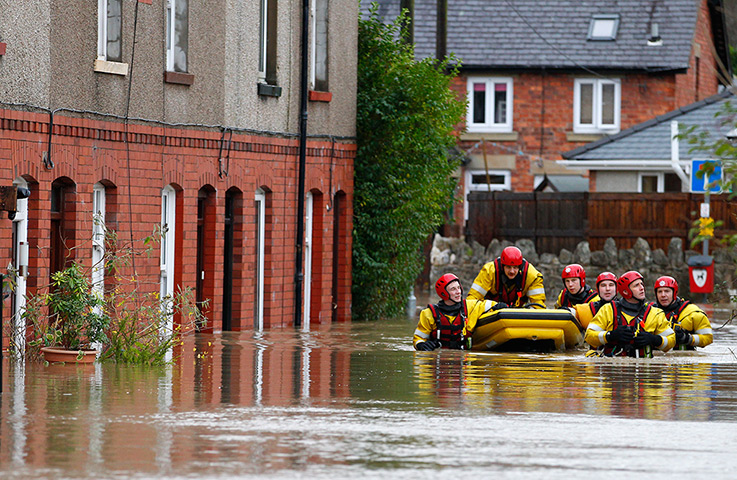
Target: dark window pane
x,y
479,103
587,103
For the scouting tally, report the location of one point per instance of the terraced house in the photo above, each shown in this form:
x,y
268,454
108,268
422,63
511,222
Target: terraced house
x,y
230,124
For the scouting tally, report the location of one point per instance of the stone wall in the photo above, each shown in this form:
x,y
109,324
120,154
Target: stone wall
x,y
454,255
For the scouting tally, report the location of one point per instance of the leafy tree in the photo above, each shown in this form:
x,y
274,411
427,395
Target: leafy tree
x,y
403,183
721,148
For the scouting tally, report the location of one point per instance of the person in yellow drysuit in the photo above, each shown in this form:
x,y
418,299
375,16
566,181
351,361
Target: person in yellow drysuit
x,y
450,322
690,323
606,287
575,291
630,326
510,280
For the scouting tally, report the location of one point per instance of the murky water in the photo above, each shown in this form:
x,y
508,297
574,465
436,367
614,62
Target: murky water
x,y
356,400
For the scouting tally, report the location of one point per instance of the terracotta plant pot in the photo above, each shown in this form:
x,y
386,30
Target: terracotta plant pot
x,y
59,354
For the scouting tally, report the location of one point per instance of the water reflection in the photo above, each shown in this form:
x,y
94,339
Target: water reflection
x,y
346,400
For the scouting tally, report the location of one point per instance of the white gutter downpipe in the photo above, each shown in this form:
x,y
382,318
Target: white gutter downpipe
x,y
675,155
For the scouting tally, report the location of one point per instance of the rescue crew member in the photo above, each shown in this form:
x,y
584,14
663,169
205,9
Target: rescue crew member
x,y
575,290
690,323
630,326
606,287
450,322
510,279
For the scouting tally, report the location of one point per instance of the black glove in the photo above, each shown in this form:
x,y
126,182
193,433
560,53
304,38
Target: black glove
x,y
682,336
644,339
427,346
499,306
620,336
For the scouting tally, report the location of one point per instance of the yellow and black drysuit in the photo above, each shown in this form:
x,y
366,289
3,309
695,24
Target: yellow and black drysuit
x,y
567,299
690,323
450,326
628,329
526,287
586,311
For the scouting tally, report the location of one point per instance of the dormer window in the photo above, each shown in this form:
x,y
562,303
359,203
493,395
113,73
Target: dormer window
x,y
603,27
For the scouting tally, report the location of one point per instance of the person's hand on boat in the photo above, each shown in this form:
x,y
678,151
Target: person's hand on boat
x,y
427,346
644,339
682,336
499,306
621,335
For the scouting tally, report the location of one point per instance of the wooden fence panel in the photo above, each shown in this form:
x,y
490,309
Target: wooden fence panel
x,y
561,220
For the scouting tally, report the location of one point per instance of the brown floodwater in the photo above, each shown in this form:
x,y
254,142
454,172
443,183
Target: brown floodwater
x,y
356,400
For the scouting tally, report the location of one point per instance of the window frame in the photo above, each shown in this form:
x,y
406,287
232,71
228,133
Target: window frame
x,y
319,10
102,32
490,125
615,27
171,14
597,125
267,44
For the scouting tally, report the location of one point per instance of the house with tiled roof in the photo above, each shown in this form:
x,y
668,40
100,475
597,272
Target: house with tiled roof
x,y
543,77
647,157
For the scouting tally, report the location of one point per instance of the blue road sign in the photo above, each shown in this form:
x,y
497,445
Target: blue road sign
x,y
698,185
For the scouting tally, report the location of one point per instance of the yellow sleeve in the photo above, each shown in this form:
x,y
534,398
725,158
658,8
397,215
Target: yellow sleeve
x,y
602,322
535,290
559,301
425,326
476,308
658,324
483,283
695,321
583,313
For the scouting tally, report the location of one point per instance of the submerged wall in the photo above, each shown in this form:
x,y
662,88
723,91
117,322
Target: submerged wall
x,y
454,255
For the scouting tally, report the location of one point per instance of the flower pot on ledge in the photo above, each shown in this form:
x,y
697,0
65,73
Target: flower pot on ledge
x,y
59,354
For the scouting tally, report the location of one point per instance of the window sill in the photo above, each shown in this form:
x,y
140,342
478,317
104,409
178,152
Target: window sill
x,y
491,136
583,137
269,90
179,78
3,46
316,96
114,68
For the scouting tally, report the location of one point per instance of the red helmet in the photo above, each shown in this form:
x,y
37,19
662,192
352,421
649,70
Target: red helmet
x,y
624,282
442,284
574,270
666,281
512,256
605,276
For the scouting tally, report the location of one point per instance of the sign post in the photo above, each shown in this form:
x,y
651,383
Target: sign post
x,y
707,184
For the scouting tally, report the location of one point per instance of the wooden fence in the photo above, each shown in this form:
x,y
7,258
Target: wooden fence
x,y
562,220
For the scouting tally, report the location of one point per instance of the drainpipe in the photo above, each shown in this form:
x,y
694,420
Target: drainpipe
x,y
298,275
675,156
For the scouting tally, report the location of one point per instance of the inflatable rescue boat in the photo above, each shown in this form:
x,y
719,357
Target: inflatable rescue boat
x,y
527,329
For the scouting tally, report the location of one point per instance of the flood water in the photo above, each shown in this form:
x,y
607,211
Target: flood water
x,y
357,401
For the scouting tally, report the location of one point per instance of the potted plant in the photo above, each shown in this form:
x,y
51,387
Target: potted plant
x,y
69,319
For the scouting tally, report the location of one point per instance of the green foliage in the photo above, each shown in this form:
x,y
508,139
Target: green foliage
x,y
403,183
130,322
76,315
722,149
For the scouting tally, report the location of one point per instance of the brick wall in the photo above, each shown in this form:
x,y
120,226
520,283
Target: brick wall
x,y
87,151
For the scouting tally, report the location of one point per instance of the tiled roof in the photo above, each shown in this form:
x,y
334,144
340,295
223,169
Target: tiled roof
x,y
651,140
553,33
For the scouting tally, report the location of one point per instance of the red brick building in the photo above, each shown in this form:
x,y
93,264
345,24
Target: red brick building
x,y
544,77
209,152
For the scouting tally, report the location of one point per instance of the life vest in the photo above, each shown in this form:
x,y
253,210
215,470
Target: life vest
x,y
450,332
513,296
673,315
569,300
619,320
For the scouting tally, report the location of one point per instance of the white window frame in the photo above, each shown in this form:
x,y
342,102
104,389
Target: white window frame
x,y
263,24
171,14
319,44
260,199
470,187
661,181
168,244
102,28
490,125
597,126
